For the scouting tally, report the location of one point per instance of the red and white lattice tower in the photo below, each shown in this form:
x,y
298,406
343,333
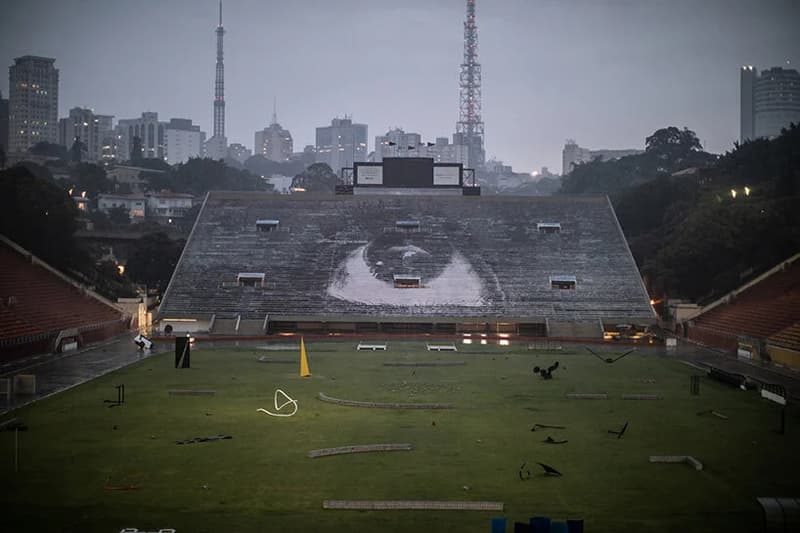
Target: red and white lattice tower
x,y
470,124
219,84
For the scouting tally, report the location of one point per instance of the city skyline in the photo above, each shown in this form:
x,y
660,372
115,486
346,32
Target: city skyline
x,y
606,73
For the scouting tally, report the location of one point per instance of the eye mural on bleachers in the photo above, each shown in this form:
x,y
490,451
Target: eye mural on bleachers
x,y
395,255
407,258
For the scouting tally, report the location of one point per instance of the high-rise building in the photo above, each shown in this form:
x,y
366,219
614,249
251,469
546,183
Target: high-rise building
x,y
444,152
341,143
92,130
469,129
308,156
572,154
183,140
3,124
239,152
274,142
32,102
398,143
151,134
769,102
217,145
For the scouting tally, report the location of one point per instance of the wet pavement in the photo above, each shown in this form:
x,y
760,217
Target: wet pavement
x,y
58,372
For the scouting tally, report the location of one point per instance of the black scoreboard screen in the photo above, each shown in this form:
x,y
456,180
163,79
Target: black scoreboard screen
x,y
418,172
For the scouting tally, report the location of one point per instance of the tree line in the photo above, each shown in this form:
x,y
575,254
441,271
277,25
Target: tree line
x,y
700,225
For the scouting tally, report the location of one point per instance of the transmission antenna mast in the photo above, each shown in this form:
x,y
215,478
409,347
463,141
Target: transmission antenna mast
x,y
219,84
470,123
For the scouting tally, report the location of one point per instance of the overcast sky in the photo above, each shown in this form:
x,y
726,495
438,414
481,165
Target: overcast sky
x,y
604,72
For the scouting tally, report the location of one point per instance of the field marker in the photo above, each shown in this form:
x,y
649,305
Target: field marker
x,y
281,406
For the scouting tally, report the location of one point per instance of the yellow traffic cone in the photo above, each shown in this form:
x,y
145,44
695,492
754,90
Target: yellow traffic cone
x,y
304,371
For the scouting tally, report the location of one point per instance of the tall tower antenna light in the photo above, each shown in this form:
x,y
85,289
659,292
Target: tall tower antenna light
x,y
219,84
470,123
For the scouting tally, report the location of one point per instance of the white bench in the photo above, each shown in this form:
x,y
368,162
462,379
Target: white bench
x,y
441,347
373,347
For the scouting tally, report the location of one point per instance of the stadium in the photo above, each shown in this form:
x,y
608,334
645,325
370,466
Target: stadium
x,y
395,256
508,377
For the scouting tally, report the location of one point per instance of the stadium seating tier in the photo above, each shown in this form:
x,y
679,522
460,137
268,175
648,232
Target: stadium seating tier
x,y
475,257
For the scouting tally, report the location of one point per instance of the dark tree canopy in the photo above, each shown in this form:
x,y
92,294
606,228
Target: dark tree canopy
x,y
76,151
38,215
261,166
136,150
668,150
198,176
673,142
119,216
153,259
90,178
49,149
318,177
693,239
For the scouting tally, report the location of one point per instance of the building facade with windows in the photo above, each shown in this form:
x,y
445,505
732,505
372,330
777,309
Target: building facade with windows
x,y
183,140
165,206
341,144
398,143
275,143
32,102
572,155
134,204
239,152
769,102
151,134
92,130
3,125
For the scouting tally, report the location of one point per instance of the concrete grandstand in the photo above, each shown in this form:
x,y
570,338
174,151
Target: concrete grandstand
x,y
43,310
760,320
258,263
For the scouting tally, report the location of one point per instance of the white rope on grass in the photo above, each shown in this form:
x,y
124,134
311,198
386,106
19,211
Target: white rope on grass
x,y
281,406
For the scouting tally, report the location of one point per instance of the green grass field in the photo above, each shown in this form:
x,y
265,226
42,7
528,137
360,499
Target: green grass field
x,y
262,480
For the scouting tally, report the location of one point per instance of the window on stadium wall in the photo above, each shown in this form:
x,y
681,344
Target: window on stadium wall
x,y
549,227
563,282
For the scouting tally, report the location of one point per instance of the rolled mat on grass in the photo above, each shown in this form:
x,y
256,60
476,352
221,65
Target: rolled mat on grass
x,y
204,439
382,405
410,505
359,448
587,396
265,359
687,459
642,397
425,363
